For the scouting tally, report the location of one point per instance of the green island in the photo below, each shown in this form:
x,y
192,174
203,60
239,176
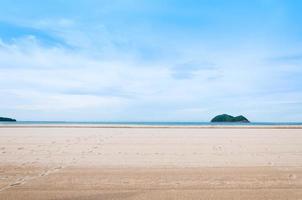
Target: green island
x,y
6,119
229,118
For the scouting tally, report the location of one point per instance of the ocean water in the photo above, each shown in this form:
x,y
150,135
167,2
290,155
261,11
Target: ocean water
x,y
152,123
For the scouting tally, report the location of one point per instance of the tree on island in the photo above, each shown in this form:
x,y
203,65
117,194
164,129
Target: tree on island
x,y
229,118
6,119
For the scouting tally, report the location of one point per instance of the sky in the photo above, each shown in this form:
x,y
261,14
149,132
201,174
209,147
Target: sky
x,y
159,60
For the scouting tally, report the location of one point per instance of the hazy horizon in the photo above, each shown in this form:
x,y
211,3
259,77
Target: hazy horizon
x,y
151,60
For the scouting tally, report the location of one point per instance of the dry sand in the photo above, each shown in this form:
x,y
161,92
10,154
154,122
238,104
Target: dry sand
x,y
150,163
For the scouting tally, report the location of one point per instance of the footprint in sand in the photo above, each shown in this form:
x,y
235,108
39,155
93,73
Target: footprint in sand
x,y
59,167
218,148
18,182
47,172
15,184
43,174
292,176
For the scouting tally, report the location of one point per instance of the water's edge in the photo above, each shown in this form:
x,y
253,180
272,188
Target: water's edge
x,y
150,124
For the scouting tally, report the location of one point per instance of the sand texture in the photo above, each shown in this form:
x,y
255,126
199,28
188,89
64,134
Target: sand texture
x,y
150,163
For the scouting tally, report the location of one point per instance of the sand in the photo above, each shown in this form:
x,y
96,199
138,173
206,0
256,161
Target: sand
x,y
81,162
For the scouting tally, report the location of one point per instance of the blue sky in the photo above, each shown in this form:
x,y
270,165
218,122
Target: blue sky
x,y
136,60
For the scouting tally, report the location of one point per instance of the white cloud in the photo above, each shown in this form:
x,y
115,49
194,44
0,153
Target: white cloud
x,y
99,80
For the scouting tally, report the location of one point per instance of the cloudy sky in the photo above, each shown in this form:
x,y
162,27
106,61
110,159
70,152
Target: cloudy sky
x,y
159,60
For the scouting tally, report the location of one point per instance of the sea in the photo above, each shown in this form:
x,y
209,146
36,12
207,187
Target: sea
x,y
152,123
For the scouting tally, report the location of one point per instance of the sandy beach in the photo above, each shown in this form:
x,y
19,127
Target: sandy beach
x,y
69,162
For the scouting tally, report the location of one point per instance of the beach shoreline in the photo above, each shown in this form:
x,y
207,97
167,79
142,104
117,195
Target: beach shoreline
x,y
137,126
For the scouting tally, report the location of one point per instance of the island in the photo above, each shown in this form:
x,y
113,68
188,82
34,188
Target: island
x,y
6,119
229,118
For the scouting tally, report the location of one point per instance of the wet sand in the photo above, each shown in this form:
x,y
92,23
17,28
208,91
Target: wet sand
x,y
150,163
